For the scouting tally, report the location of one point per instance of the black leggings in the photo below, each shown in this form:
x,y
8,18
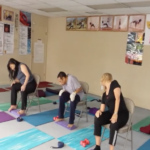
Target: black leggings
x,y
30,88
114,127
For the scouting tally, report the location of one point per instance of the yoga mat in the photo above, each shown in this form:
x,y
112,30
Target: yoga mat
x,y
142,123
92,112
53,91
145,146
49,94
42,118
42,101
44,85
89,98
5,106
65,124
8,88
4,86
24,140
73,139
5,117
45,82
3,90
15,113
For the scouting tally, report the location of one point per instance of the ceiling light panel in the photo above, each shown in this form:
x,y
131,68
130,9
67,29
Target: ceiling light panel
x,y
81,7
95,2
65,3
21,2
126,1
119,11
142,9
40,6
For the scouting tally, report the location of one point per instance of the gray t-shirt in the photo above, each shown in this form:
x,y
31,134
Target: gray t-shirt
x,y
72,85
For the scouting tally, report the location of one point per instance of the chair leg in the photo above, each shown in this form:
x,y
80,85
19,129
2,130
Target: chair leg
x,y
131,140
86,112
81,112
102,136
19,101
39,105
126,139
66,109
28,105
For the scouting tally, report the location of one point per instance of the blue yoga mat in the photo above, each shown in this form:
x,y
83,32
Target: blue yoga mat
x,y
49,94
24,140
89,98
73,139
42,118
145,146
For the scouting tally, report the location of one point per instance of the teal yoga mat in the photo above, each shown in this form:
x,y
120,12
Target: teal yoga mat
x,y
142,123
145,146
43,117
24,140
73,139
5,106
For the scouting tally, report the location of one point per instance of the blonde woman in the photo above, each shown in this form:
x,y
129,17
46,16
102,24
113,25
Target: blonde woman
x,y
117,114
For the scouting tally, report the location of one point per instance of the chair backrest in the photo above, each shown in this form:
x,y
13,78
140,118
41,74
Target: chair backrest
x,y
130,105
37,79
85,87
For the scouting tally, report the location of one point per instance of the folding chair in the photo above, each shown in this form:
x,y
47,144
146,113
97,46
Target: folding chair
x,y
82,103
32,96
128,127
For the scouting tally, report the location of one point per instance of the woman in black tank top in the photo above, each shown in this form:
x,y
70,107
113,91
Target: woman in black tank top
x,y
22,80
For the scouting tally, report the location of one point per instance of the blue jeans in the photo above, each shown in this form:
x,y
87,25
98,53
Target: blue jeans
x,y
65,97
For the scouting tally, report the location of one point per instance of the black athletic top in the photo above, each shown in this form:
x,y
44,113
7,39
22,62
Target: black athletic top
x,y
109,100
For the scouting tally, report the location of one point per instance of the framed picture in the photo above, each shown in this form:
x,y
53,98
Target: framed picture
x,y
120,23
71,23
7,28
134,48
81,23
93,23
106,23
25,18
137,23
8,15
0,13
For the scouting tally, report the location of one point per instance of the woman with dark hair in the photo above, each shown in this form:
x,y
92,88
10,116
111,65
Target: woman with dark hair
x,y
22,80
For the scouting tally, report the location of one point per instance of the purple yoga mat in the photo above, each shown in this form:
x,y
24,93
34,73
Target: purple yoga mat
x,y
15,113
5,117
65,124
93,110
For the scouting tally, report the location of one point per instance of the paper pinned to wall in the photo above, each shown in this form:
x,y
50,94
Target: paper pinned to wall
x,y
1,38
38,52
8,39
23,40
25,33
147,30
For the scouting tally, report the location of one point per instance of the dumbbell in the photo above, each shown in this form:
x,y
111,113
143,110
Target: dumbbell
x,y
85,142
55,118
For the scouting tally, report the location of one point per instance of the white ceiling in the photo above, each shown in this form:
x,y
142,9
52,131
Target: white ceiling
x,y
74,7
